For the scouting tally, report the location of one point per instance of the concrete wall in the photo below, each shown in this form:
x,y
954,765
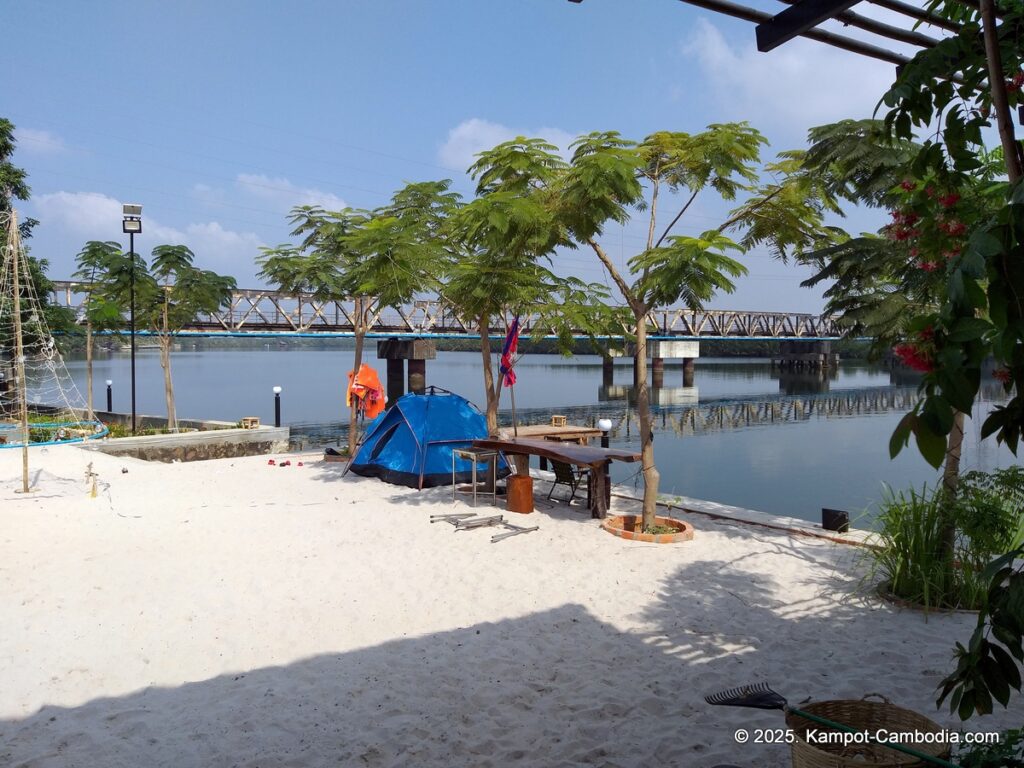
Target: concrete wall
x,y
197,446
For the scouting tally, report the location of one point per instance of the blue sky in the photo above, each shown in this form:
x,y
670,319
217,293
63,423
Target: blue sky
x,y
219,117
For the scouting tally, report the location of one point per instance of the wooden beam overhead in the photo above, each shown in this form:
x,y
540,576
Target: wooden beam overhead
x,y
830,38
798,19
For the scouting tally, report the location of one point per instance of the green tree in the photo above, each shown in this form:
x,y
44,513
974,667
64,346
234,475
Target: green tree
x,y
13,186
503,242
100,312
964,227
168,296
610,176
379,258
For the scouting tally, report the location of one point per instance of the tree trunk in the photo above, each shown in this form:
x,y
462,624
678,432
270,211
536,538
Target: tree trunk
x,y
951,469
643,406
950,483
88,369
997,82
360,334
492,398
165,363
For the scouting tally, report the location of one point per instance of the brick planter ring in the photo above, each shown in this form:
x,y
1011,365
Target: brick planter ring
x,y
631,527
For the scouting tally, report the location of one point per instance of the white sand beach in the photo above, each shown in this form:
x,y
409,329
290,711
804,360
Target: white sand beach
x,y
230,613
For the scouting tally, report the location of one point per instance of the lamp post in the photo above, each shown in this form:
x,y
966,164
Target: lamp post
x,y
277,406
110,396
131,226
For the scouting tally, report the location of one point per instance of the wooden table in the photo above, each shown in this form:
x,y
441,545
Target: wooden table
x,y
570,433
568,453
573,433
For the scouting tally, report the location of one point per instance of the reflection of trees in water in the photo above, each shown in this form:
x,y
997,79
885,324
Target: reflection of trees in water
x,y
743,413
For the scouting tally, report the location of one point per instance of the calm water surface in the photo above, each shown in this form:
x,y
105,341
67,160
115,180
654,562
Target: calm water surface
x,y
745,434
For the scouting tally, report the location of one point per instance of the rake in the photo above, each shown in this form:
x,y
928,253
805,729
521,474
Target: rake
x,y
760,696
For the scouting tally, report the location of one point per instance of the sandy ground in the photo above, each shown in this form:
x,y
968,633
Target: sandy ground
x,y
230,613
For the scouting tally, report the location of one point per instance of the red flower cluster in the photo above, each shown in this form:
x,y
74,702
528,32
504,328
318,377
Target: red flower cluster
x,y
948,201
926,334
1003,375
914,357
902,227
952,228
927,266
908,185
1014,85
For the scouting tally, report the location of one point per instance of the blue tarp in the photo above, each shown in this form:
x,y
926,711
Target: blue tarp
x,y
411,443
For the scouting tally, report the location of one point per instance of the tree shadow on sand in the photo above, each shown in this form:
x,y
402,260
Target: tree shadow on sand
x,y
553,688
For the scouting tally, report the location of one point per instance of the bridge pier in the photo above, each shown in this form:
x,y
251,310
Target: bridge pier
x,y
396,352
607,371
395,379
417,376
658,372
809,355
687,351
688,368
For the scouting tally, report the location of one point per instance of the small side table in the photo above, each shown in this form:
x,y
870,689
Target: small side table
x,y
477,456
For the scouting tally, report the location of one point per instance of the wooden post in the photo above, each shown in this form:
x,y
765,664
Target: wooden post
x,y
14,249
599,507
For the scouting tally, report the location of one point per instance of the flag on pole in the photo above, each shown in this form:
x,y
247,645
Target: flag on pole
x,y
508,352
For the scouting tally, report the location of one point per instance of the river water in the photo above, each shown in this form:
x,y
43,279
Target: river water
x,y
744,434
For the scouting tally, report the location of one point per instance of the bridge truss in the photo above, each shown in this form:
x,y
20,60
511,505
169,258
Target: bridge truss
x,y
256,311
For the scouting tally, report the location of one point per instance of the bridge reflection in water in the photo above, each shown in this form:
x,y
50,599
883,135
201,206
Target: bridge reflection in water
x,y
677,410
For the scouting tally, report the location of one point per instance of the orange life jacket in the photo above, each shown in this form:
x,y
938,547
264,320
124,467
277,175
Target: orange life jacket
x,y
365,387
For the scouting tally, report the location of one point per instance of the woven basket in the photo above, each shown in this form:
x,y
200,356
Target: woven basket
x,y
867,716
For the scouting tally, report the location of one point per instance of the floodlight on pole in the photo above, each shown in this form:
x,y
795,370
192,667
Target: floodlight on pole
x,y
131,226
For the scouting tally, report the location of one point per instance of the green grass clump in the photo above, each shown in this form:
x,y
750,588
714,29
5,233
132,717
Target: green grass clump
x,y
988,520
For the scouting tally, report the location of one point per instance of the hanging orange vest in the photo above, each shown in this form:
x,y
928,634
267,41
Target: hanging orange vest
x,y
365,387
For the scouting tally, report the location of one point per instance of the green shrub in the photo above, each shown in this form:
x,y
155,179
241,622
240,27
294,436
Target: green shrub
x,y
911,561
1008,753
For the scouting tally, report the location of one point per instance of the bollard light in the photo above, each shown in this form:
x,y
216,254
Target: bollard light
x,y
277,406
605,425
110,396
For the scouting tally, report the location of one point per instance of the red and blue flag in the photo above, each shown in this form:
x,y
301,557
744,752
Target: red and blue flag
x,y
508,352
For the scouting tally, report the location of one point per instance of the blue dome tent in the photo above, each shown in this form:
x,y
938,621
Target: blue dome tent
x,y
411,442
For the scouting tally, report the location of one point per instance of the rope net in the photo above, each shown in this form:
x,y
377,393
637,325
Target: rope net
x,y
57,412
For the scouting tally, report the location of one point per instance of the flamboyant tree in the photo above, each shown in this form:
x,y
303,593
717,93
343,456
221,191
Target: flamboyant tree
x,y
609,177
379,258
982,312
503,243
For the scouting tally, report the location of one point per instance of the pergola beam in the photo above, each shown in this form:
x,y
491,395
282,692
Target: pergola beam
x,y
917,13
829,38
797,20
908,36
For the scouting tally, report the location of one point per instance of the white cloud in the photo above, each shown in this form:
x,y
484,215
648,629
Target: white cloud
x,y
71,218
38,142
797,86
282,192
89,214
475,135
